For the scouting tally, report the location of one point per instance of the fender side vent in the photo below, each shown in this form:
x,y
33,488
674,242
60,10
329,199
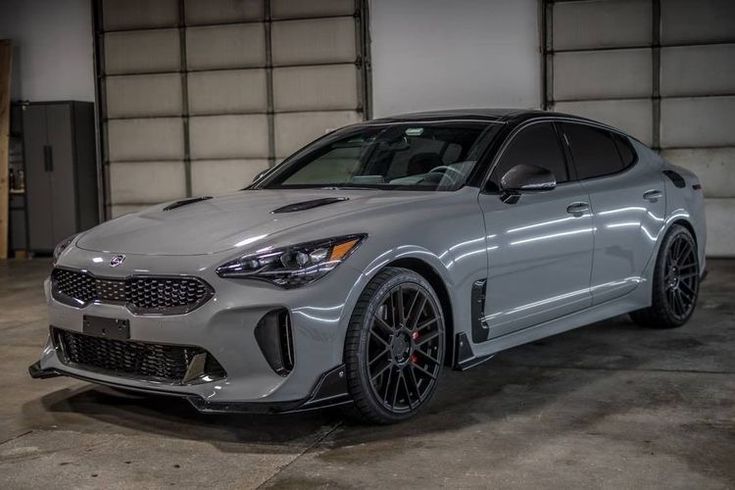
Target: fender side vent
x,y
315,203
184,202
677,179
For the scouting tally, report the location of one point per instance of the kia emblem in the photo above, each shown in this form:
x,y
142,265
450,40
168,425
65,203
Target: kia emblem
x,y
117,260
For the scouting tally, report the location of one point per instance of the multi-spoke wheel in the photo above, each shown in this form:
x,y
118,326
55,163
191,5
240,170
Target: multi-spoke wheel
x,y
395,346
675,282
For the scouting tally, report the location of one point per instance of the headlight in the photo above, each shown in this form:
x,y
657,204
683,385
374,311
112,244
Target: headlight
x,y
294,266
59,249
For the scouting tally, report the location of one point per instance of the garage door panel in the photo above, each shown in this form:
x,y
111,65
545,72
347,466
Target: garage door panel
x,y
230,46
295,130
216,11
631,116
146,182
698,21
142,51
715,168
601,74
216,177
301,42
698,70
601,24
132,14
145,139
720,227
697,122
284,9
229,136
315,87
144,95
227,91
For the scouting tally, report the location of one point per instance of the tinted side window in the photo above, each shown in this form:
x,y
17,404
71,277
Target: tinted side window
x,y
627,153
538,145
594,151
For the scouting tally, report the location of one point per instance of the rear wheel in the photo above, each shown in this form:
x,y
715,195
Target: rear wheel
x,y
675,282
394,348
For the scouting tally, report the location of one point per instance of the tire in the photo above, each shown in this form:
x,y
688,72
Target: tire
x,y
393,362
675,285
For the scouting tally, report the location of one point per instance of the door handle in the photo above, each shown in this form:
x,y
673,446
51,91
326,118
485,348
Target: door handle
x,y
48,158
653,195
578,209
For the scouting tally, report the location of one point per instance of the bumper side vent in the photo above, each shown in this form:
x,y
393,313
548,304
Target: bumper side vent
x,y
275,339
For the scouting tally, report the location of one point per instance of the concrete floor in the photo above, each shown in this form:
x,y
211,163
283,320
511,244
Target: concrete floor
x,y
607,406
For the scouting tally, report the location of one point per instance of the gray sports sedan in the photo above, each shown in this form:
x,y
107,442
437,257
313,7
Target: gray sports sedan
x,y
361,266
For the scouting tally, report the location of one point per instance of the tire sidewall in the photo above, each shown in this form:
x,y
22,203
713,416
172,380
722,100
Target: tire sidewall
x,y
659,286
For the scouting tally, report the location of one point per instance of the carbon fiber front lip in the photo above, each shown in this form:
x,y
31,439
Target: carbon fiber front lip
x,y
330,391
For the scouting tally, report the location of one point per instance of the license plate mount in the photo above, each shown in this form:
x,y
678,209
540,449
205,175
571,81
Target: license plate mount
x,y
108,328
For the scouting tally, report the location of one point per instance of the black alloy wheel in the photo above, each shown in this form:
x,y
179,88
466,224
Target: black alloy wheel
x,y
395,346
675,285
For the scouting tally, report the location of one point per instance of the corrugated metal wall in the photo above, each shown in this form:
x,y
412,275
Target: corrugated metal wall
x,y
664,70
196,97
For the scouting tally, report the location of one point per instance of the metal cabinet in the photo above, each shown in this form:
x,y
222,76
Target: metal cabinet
x,y
61,171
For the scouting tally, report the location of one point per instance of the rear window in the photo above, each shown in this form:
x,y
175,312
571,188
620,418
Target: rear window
x,y
595,151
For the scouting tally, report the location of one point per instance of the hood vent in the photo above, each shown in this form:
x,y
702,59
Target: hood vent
x,y
315,203
184,202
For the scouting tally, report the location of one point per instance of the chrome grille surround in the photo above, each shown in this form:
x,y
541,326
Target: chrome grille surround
x,y
141,294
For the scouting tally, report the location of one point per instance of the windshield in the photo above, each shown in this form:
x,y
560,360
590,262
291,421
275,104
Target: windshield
x,y
428,156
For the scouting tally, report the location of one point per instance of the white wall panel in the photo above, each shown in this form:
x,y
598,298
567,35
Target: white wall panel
x,y
284,9
145,139
698,122
221,11
225,91
301,42
229,136
602,24
228,46
315,88
715,168
142,51
118,210
698,70
602,74
443,55
214,177
720,227
684,21
631,116
294,130
144,95
146,182
130,14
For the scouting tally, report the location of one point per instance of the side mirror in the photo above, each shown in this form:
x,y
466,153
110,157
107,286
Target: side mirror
x,y
525,178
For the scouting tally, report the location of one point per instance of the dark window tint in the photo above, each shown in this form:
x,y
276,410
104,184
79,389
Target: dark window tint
x,y
535,145
627,153
594,151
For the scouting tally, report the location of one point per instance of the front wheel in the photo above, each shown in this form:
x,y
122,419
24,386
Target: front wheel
x,y
675,282
394,347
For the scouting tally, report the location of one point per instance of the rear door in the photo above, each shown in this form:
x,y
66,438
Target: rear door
x,y
540,247
627,202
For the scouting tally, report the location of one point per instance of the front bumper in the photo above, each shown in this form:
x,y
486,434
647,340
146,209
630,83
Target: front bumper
x,y
225,327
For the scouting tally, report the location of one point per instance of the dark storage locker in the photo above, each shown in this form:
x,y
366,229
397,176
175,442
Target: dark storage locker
x,y
61,172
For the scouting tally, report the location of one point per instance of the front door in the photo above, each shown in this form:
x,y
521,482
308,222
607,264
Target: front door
x,y
539,248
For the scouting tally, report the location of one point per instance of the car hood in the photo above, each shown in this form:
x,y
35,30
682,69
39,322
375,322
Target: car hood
x,y
232,221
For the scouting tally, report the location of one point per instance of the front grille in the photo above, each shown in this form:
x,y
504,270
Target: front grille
x,y
133,359
141,294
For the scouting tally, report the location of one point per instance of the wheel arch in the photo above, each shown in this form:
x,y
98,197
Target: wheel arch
x,y
428,272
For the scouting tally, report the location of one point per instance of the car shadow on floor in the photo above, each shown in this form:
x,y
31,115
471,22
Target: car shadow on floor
x,y
513,383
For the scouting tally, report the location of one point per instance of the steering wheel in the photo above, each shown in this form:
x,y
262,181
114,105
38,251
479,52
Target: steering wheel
x,y
454,175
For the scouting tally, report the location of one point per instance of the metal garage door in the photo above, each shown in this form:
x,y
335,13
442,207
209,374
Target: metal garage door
x,y
198,96
663,70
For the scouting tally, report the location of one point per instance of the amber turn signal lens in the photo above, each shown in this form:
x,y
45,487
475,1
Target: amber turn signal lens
x,y
341,250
